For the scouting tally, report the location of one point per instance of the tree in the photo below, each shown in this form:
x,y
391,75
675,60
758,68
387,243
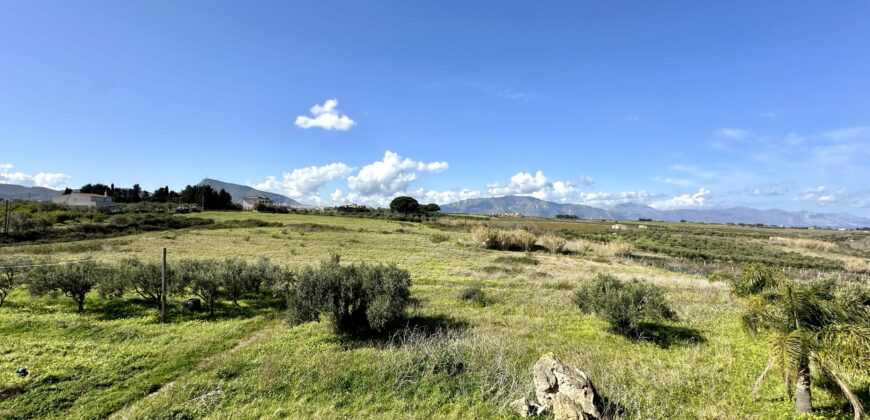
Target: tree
x,y
430,208
71,280
145,278
359,298
203,278
99,189
234,278
404,204
811,331
10,273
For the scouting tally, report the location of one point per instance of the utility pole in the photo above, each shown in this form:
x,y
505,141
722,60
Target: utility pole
x,y
163,290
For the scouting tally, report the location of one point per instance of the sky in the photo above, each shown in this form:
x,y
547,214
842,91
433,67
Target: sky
x,y
674,104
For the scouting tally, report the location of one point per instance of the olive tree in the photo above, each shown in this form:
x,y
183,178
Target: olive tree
x,y
71,280
10,276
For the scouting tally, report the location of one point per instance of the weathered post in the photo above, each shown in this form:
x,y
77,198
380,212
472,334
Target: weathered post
x,y
163,290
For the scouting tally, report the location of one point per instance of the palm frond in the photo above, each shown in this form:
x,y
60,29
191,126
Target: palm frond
x,y
770,364
843,388
845,345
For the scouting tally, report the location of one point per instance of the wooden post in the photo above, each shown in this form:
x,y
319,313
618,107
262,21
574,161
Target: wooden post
x,y
163,290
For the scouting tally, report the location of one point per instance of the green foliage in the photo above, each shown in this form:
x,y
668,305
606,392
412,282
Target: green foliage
x,y
430,208
625,305
405,205
360,299
810,330
755,278
271,208
438,238
145,278
203,278
475,294
71,280
11,270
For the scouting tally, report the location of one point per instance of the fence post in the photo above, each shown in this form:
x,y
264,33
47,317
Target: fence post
x,y
163,290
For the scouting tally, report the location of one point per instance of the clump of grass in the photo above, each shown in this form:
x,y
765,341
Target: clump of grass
x,y
512,260
810,244
578,246
553,244
858,266
512,240
485,236
475,294
69,247
438,238
618,249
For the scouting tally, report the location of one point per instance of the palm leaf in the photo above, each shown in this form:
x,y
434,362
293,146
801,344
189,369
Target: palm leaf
x,y
843,388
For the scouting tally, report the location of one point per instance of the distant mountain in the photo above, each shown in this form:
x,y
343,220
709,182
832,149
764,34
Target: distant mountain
x,y
20,192
530,206
238,191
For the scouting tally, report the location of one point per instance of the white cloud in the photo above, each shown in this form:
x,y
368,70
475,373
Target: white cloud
x,y
698,199
390,175
538,186
304,183
733,133
848,133
444,197
326,116
41,179
585,180
608,199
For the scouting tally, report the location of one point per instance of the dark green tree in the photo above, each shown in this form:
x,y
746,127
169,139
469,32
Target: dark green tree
x,y
405,205
430,208
71,280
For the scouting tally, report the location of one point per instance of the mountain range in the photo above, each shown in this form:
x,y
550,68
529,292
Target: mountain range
x,y
20,192
238,191
530,206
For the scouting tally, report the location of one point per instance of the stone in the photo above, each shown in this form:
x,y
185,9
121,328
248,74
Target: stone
x,y
525,408
565,391
192,305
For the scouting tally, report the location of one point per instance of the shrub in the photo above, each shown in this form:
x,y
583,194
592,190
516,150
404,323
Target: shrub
x,y
203,279
755,278
10,276
360,299
485,236
517,240
578,246
475,294
624,305
144,278
71,280
554,244
438,238
619,249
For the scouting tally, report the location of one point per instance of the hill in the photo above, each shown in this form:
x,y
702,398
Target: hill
x,y
20,192
238,191
530,206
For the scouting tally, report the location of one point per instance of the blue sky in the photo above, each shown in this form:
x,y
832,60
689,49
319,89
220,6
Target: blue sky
x,y
673,104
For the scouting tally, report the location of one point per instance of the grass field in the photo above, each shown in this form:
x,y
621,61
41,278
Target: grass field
x,y
453,359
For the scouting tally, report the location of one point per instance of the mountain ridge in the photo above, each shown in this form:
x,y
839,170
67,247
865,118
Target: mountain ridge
x,y
530,206
237,191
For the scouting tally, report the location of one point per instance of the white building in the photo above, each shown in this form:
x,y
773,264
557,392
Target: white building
x,y
78,199
249,202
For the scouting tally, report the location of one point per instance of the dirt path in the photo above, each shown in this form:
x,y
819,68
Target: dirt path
x,y
203,365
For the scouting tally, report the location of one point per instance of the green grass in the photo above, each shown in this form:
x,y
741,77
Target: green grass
x,y
452,360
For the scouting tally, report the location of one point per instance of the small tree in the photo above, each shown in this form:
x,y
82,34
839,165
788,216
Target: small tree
x,y
811,331
145,278
359,298
71,280
234,278
625,305
430,208
203,279
405,205
261,273
10,273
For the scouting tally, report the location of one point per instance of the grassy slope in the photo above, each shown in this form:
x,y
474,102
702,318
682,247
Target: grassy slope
x,y
479,359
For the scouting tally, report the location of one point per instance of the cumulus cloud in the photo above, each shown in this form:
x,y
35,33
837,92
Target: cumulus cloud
x,y
698,199
390,175
538,186
51,180
304,183
326,116
733,133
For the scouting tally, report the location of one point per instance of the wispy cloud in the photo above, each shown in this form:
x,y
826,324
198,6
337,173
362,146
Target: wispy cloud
x,y
53,180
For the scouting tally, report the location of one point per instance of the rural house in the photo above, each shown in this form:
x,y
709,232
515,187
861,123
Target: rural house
x,y
249,202
78,199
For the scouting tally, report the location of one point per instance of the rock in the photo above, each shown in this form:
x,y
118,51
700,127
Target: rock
x,y
22,372
525,408
564,390
192,305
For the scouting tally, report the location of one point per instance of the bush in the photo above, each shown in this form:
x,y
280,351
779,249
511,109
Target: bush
x,y
438,238
144,278
554,244
619,249
517,240
203,279
474,294
624,305
11,271
360,299
485,237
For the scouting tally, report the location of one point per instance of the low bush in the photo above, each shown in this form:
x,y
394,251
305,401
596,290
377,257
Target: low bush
x,y
619,249
359,299
624,305
485,237
438,238
517,240
474,294
553,244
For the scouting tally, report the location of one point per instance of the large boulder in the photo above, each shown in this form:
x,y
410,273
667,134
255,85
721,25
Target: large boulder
x,y
565,391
